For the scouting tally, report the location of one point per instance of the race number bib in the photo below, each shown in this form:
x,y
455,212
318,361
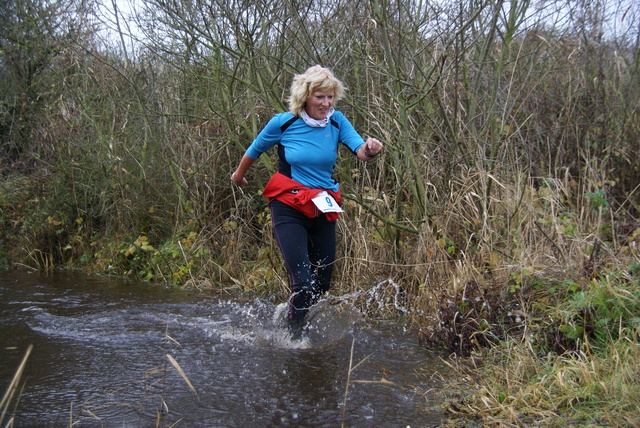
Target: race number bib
x,y
325,203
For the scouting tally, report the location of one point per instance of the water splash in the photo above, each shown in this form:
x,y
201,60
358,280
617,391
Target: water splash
x,y
247,323
386,295
260,323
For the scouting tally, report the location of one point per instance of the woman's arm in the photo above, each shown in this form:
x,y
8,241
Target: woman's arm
x,y
353,140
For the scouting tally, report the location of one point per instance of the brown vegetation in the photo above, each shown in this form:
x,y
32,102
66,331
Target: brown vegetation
x,y
509,179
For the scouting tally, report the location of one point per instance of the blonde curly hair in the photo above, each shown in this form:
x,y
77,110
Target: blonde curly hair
x,y
314,79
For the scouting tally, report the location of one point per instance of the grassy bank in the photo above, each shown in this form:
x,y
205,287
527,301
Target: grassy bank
x,y
574,363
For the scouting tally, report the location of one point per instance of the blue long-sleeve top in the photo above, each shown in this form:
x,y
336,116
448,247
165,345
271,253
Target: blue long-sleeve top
x,y
307,154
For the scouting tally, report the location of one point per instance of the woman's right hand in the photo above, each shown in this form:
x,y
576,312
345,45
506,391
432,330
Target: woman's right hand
x,y
238,175
238,179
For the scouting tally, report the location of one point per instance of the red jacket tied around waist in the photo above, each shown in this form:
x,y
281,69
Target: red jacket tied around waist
x,y
296,195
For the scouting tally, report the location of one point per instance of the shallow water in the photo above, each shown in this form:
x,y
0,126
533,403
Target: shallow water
x,y
100,359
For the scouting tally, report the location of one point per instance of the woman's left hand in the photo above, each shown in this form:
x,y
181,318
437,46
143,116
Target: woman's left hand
x,y
370,149
373,146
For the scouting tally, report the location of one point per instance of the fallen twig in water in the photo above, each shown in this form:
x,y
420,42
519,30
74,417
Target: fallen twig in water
x,y
184,376
351,369
13,386
346,390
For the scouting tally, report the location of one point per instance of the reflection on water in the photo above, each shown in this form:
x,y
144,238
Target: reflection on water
x,y
101,346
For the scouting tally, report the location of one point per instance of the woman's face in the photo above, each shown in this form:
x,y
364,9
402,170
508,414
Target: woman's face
x,y
319,104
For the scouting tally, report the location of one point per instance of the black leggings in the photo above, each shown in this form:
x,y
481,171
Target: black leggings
x,y
308,246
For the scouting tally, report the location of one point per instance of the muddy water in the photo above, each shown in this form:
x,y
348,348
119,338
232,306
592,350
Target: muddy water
x,y
101,347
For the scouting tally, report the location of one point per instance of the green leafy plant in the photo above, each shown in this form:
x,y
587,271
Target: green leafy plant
x,y
598,199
